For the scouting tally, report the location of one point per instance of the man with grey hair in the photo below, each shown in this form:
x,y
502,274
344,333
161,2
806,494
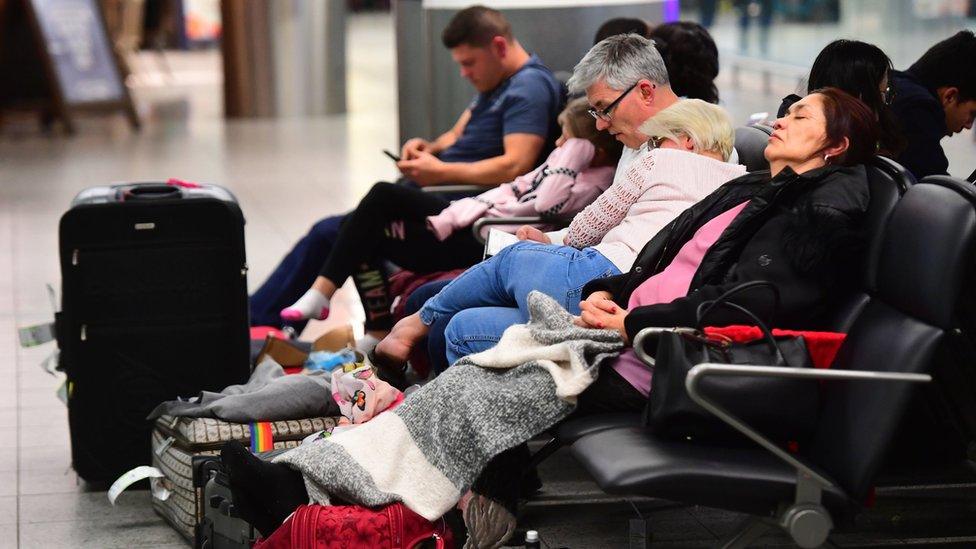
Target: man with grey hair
x,y
626,83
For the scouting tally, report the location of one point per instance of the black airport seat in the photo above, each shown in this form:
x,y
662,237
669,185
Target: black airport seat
x,y
887,182
750,143
891,343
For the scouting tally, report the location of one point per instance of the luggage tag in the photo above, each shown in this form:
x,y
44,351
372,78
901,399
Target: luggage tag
x,y
32,336
63,392
156,483
39,334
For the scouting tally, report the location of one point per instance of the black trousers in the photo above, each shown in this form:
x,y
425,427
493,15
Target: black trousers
x,y
390,224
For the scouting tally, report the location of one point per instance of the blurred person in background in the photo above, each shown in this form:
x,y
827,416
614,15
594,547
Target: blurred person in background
x,y
863,71
691,57
935,98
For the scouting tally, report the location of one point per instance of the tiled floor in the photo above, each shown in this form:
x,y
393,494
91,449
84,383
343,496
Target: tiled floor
x,y
286,174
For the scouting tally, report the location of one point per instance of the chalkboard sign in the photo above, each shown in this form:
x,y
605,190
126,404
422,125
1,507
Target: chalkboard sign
x,y
81,64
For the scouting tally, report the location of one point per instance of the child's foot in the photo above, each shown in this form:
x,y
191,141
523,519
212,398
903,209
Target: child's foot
x,y
268,492
312,305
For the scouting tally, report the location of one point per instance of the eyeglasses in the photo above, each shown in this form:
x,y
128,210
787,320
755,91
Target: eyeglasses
x,y
607,114
654,142
888,95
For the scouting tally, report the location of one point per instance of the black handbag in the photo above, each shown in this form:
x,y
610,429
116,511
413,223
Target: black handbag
x,y
781,409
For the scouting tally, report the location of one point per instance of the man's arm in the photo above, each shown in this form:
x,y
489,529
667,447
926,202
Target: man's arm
x,y
449,137
413,147
521,152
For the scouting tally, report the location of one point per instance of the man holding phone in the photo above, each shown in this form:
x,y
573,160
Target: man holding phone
x,y
510,124
506,130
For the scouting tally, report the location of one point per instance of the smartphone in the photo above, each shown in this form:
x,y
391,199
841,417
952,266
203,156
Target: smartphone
x,y
392,156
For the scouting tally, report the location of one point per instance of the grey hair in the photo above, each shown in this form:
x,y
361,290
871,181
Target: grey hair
x,y
620,61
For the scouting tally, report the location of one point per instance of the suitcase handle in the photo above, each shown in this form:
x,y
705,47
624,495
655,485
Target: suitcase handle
x,y
151,192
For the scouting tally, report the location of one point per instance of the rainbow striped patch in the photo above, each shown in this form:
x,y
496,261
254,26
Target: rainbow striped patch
x,y
261,438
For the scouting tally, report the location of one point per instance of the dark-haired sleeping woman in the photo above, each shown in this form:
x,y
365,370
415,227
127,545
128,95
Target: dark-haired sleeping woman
x,y
797,226
862,70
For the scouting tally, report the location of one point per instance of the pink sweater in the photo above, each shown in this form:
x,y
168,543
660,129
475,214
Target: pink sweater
x,y
559,188
656,187
670,284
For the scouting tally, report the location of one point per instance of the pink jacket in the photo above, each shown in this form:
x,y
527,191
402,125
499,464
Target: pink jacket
x,y
562,186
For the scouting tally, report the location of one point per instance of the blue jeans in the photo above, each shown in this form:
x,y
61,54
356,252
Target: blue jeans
x,y
502,283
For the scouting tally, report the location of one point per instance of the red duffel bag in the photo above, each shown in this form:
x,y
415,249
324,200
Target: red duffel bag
x,y
354,527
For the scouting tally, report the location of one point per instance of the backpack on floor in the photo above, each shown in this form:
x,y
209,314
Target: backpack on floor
x,y
354,527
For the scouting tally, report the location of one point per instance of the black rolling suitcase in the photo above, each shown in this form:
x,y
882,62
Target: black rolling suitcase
x,y
154,307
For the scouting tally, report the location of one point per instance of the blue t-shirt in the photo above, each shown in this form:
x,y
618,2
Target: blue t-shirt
x,y
527,102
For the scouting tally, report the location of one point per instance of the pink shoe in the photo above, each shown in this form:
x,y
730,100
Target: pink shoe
x,y
295,315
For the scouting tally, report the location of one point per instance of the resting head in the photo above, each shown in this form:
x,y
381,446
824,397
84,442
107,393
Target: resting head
x,y
691,56
862,70
856,67
692,125
575,121
948,70
626,82
828,126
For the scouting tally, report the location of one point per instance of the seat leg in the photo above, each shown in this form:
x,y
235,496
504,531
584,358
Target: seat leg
x,y
640,534
547,450
749,531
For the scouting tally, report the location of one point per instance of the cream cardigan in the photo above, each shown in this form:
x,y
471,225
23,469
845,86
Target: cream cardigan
x,y
646,195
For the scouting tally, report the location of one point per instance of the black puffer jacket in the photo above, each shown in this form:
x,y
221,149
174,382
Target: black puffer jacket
x,y
921,117
801,232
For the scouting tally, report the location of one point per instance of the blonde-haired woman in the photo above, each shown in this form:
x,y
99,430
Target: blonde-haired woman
x,y
684,160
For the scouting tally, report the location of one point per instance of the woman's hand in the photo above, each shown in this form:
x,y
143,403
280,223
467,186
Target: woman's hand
x,y
528,232
600,295
603,313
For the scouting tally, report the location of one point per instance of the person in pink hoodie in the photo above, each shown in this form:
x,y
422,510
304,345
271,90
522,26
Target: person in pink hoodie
x,y
425,233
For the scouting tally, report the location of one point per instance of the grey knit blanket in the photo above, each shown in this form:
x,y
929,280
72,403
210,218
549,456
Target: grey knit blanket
x,y
428,451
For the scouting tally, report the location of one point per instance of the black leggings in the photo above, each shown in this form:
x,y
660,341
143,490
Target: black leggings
x,y
390,223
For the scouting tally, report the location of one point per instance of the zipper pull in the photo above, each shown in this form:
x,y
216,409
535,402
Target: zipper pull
x,y
84,332
74,257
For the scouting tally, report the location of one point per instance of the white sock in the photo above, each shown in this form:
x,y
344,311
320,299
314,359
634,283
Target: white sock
x,y
310,305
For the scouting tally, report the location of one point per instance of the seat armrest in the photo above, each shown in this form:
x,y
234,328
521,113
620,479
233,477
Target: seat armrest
x,y
473,189
804,472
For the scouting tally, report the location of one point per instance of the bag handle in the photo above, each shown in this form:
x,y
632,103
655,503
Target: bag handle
x,y
706,307
151,192
722,301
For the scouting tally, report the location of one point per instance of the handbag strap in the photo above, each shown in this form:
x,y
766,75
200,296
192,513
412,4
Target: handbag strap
x,y
707,307
766,332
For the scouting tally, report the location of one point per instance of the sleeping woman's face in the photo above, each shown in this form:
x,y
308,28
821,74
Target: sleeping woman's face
x,y
801,135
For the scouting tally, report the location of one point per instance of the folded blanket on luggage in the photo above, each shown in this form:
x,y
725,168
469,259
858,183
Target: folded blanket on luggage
x,y
430,449
269,395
